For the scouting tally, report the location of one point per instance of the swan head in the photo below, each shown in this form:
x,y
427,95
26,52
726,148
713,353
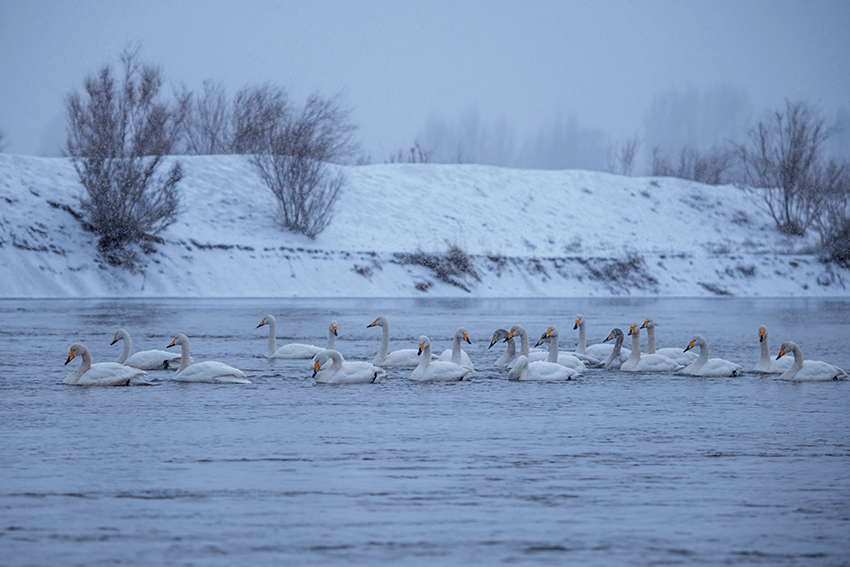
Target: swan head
x,y
380,322
648,323
119,336
463,335
424,342
787,346
762,334
499,335
548,335
333,328
180,339
579,321
76,349
319,360
515,330
698,340
633,329
267,320
614,335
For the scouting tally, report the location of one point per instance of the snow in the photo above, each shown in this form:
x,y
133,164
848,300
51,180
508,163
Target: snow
x,y
524,233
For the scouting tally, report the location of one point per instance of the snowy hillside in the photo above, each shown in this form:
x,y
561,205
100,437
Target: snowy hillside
x,y
513,232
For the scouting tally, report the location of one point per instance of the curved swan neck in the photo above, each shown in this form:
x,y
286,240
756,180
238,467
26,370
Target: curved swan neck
x,y
425,357
85,366
511,350
126,349
615,352
336,360
703,353
798,357
184,354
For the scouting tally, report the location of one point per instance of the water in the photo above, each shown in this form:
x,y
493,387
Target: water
x,y
611,469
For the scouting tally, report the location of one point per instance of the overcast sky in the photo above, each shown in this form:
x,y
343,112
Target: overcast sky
x,y
437,71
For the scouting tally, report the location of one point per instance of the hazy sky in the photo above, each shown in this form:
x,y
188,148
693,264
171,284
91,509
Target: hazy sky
x,y
428,70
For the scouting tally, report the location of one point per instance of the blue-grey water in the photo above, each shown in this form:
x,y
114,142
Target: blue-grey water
x,y
610,469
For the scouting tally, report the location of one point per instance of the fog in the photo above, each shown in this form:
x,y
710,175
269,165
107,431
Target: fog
x,y
542,85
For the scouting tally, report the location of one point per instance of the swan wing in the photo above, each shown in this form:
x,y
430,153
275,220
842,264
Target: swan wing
x,y
548,371
212,371
657,363
815,371
152,360
296,351
676,355
111,374
353,373
447,371
446,356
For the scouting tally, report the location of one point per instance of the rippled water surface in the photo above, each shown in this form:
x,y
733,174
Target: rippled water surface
x,y
610,469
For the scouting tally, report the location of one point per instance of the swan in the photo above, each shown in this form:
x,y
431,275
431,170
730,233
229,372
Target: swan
x,y
598,351
455,354
294,350
768,364
809,370
523,345
509,356
683,358
102,373
562,358
143,360
703,366
648,363
343,372
539,370
208,371
428,370
401,357
613,360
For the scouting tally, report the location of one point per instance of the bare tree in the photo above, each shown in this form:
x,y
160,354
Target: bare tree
x,y
259,114
118,135
296,165
833,221
711,167
206,129
621,157
782,161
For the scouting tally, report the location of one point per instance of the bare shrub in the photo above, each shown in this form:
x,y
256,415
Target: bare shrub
x,y
452,267
621,158
711,167
833,221
259,115
118,135
295,163
416,154
207,127
783,165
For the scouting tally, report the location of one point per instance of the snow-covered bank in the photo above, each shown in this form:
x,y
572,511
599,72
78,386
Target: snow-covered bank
x,y
404,230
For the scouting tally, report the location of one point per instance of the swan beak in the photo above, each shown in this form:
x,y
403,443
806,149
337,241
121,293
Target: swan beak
x,y
70,357
263,322
781,353
510,335
632,330
421,346
690,346
115,340
611,336
494,341
540,342
334,330
576,325
171,345
372,324
466,338
315,368
644,325
761,336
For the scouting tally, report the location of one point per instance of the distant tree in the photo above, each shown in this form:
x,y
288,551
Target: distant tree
x,y
833,220
621,157
296,164
783,165
711,167
207,126
259,116
118,135
415,154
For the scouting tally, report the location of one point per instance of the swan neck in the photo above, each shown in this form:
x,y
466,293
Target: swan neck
x,y
635,346
553,348
523,342
126,349
272,340
582,339
184,356
650,340
765,352
703,353
385,342
798,358
511,350
425,357
456,350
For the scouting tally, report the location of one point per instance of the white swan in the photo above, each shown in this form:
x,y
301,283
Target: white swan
x,y
809,370
523,345
294,350
598,351
428,370
649,362
767,364
539,370
456,354
683,358
703,366
613,360
562,358
102,373
343,372
401,357
208,371
146,359
509,356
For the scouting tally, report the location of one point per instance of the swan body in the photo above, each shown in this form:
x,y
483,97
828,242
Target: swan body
x,y
293,351
402,357
809,370
102,373
208,371
683,358
649,362
428,370
509,356
562,358
341,371
767,364
539,370
455,354
613,360
599,351
143,360
704,366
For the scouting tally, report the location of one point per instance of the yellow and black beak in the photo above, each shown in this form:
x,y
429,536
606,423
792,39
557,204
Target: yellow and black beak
x,y
421,348
372,324
263,322
689,347
632,330
540,342
510,335
171,345
644,324
610,337
334,330
781,353
761,336
71,356
576,325
466,338
316,368
114,340
494,341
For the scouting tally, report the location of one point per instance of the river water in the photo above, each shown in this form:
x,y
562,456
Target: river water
x,y
609,469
